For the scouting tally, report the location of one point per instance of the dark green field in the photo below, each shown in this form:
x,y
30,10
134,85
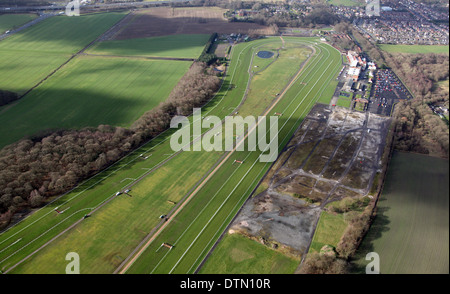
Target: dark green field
x,y
13,21
175,46
411,230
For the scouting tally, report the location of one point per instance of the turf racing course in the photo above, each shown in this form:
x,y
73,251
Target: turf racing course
x,y
124,234
201,222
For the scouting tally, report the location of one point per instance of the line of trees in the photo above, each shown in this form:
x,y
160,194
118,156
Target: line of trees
x,y
418,129
207,56
34,169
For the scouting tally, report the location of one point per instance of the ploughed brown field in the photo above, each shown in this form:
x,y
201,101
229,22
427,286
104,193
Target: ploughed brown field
x,y
163,21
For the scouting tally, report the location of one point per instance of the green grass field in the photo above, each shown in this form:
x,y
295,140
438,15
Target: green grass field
x,y
411,230
237,254
414,49
259,63
13,21
77,94
61,34
344,102
43,225
329,231
90,91
204,218
266,85
177,46
21,71
30,55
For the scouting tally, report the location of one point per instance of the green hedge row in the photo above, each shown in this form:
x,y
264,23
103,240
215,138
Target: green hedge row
x,y
206,56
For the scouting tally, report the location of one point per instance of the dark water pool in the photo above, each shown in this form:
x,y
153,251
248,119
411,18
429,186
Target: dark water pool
x,y
265,54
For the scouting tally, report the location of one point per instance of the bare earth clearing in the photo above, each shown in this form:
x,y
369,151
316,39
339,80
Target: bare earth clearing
x,y
331,156
163,21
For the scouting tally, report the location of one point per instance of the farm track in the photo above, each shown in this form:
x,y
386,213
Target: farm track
x,y
26,25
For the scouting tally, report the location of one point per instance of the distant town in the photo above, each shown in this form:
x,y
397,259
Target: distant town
x,y
400,22
407,22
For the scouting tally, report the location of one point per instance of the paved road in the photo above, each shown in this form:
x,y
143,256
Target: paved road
x,y
27,25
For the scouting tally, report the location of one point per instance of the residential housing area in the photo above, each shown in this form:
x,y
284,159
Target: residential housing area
x,y
190,138
406,22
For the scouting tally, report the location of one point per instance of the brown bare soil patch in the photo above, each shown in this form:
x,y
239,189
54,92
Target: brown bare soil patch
x,y
333,155
163,21
221,50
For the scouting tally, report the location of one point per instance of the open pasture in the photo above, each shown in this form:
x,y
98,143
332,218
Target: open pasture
x,y
90,91
328,232
237,254
13,21
31,55
265,84
415,49
175,46
21,72
411,230
61,34
195,228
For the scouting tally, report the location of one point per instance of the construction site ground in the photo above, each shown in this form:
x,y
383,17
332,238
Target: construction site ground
x,y
335,153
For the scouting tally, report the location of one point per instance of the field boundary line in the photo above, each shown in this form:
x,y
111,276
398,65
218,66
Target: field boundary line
x,y
66,62
138,57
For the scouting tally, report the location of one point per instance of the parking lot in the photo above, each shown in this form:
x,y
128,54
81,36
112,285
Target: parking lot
x,y
386,91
